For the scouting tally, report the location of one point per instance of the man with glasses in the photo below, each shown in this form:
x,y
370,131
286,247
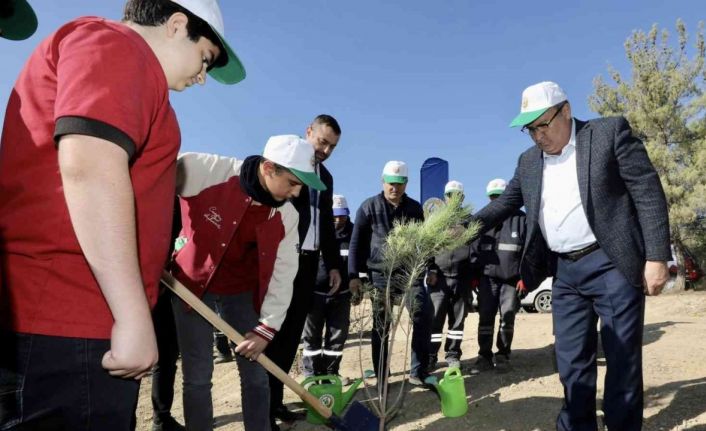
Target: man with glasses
x,y
597,222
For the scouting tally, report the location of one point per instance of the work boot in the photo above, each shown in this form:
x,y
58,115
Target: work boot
x,y
282,413
482,365
222,358
502,364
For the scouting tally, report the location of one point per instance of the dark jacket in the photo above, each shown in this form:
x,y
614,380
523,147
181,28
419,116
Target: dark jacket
x,y
497,253
327,237
343,239
621,195
373,221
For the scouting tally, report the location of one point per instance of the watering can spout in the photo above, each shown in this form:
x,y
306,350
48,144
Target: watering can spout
x,y
348,395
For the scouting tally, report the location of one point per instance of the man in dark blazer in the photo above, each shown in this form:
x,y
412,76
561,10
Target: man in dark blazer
x,y
317,236
597,222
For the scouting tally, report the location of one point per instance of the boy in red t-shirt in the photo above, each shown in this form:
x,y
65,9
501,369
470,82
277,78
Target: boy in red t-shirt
x,y
87,176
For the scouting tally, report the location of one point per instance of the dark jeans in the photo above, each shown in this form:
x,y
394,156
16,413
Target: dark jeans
x,y
450,299
584,290
329,316
422,313
168,347
495,296
283,348
58,383
196,341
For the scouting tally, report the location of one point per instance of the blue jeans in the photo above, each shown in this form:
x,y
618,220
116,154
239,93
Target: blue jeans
x,y
422,312
195,336
58,383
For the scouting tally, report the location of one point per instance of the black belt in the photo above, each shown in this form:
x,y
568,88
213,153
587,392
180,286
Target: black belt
x,y
578,254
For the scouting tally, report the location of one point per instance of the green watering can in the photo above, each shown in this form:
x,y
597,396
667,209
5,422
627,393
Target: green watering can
x,y
329,390
451,391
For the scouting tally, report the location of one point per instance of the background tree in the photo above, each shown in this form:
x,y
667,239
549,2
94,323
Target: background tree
x,y
664,101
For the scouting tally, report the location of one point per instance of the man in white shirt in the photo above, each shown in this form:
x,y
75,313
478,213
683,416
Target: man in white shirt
x,y
597,222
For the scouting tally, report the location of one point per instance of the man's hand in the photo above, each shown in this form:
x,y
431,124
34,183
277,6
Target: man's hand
x,y
252,346
334,278
656,276
431,278
133,348
356,287
521,289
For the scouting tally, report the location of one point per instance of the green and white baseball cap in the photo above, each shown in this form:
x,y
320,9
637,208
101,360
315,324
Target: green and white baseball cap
x,y
395,172
295,154
536,99
17,20
453,186
232,71
495,187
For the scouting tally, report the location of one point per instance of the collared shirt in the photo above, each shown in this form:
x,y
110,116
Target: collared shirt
x,y
562,218
311,241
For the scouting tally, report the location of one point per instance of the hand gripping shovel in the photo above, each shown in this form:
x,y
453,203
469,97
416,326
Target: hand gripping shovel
x,y
357,418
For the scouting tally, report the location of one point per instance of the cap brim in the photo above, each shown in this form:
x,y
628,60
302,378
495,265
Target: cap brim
x,y
21,24
310,179
233,71
394,179
527,117
495,192
337,212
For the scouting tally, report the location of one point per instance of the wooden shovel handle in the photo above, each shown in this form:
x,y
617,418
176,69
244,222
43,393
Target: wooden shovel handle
x,y
205,311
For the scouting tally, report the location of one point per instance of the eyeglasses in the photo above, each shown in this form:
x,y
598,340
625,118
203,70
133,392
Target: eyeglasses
x,y
531,130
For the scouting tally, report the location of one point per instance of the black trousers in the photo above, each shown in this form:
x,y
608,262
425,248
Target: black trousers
x,y
495,296
168,348
325,333
584,290
283,348
450,299
58,384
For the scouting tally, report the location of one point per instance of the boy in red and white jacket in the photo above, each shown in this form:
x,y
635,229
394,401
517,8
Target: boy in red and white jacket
x,y
237,250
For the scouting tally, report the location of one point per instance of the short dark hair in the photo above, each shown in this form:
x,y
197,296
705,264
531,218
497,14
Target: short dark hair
x,y
328,120
156,12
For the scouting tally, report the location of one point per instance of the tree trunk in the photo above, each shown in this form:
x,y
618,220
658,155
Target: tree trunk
x,y
680,282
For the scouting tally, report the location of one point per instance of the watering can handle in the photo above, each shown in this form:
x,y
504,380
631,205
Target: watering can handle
x,y
453,372
185,294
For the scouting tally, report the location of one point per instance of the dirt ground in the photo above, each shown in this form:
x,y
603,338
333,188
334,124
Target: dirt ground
x,y
528,397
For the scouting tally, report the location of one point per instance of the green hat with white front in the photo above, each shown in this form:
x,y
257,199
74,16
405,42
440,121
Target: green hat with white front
x,y
536,99
495,187
17,19
296,155
232,71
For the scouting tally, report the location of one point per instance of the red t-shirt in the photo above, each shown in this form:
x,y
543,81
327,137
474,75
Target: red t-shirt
x,y
238,271
92,77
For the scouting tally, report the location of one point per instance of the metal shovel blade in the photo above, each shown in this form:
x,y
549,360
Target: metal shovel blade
x,y
357,418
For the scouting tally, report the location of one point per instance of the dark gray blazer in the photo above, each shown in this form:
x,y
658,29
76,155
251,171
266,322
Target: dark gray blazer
x,y
620,191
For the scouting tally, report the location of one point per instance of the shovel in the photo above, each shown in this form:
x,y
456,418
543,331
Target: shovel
x,y
357,418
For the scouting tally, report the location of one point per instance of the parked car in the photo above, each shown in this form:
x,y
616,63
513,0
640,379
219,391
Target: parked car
x,y
540,299
691,268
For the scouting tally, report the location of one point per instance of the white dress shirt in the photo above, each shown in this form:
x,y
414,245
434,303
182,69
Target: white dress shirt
x,y
562,218
311,240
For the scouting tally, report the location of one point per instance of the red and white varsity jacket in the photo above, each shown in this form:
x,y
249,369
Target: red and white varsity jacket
x,y
212,203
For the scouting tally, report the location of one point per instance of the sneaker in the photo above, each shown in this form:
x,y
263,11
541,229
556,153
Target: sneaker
x,y
415,380
285,415
433,363
453,363
502,364
166,423
223,358
482,365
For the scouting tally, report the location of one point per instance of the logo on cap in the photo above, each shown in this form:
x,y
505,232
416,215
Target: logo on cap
x,y
525,102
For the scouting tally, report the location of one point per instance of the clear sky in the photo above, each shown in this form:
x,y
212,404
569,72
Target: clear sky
x,y
406,79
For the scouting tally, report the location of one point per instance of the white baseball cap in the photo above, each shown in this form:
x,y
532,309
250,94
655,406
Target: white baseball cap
x,y
295,154
453,186
340,206
496,187
395,172
232,71
536,99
